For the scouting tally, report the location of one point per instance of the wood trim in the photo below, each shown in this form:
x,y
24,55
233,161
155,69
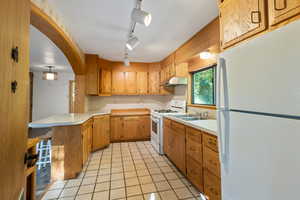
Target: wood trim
x,y
72,96
79,94
203,106
49,27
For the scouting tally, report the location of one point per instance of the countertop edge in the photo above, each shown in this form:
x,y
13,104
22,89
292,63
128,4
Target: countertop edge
x,y
212,132
60,124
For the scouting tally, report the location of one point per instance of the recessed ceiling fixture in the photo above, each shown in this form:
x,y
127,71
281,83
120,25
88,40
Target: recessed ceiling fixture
x,y
137,16
50,75
140,16
206,55
132,43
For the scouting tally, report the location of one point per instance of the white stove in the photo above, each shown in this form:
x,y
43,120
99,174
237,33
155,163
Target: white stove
x,y
175,107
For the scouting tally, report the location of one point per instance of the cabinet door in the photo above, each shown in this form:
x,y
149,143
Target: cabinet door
x,y
101,132
195,173
117,129
166,140
118,82
85,148
241,19
92,74
154,82
142,82
212,186
131,130
105,82
211,161
130,83
144,127
163,90
281,10
172,70
194,144
178,149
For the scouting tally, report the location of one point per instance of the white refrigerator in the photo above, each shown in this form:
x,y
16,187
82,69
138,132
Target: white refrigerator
x,y
258,91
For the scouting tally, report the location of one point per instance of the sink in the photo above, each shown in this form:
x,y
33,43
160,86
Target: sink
x,y
189,117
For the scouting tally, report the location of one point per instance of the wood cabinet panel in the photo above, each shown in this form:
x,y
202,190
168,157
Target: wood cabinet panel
x,y
101,132
194,144
167,141
92,74
87,133
117,129
212,186
142,82
130,83
131,128
210,142
144,127
154,82
118,82
195,173
281,10
240,19
105,82
211,161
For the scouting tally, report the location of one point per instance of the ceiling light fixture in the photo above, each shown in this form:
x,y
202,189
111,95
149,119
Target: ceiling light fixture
x,y
50,75
206,55
132,43
140,16
126,61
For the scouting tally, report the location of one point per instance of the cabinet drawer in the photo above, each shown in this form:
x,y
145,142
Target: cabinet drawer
x,y
194,135
210,142
195,173
212,186
211,161
167,122
194,149
177,127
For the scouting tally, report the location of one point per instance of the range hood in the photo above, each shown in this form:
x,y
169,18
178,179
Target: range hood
x,y
176,81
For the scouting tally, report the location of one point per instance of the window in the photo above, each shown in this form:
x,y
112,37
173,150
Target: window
x,y
203,86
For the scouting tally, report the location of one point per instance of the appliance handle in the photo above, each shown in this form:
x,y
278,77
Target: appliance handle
x,y
222,78
224,135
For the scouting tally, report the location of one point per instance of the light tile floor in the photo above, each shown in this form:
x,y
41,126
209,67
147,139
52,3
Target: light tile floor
x,y
132,171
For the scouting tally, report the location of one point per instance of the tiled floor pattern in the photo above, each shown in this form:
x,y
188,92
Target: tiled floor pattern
x,y
132,171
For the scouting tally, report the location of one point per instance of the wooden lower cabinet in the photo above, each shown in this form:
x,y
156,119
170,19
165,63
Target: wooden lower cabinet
x,y
195,173
101,132
212,186
195,154
87,131
130,128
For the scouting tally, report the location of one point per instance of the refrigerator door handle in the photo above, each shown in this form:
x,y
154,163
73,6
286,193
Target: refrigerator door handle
x,y
224,137
222,78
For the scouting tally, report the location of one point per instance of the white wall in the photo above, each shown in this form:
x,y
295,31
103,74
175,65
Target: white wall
x,y
50,97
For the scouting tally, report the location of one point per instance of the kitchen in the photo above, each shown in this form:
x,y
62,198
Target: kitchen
x,y
214,116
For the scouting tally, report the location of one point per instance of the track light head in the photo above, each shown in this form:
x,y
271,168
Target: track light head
x,y
141,17
132,43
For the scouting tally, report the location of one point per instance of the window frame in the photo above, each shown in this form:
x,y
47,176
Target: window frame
x,y
214,84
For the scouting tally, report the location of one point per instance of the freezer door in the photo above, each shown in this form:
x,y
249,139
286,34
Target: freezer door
x,y
263,158
263,73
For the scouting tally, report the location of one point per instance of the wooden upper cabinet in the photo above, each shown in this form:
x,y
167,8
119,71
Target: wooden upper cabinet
x,y
118,82
92,75
142,82
240,19
280,10
105,82
130,82
154,82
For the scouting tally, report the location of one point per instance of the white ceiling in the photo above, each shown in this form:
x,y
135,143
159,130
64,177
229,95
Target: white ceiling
x,y
43,52
101,26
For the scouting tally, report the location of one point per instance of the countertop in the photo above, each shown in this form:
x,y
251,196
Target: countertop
x,y
64,120
209,126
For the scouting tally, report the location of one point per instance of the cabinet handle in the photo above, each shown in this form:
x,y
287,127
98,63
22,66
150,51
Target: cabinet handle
x,y
15,54
279,9
14,86
253,13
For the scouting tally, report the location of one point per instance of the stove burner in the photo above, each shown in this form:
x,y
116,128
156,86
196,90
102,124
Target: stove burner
x,y
166,111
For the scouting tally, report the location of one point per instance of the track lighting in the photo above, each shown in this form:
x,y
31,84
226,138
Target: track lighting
x,y
140,16
126,62
50,75
132,43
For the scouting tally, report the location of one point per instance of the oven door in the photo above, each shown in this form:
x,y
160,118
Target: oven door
x,y
155,133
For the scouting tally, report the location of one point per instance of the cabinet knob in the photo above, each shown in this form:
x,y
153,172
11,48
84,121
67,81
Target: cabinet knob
x,y
14,86
15,54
